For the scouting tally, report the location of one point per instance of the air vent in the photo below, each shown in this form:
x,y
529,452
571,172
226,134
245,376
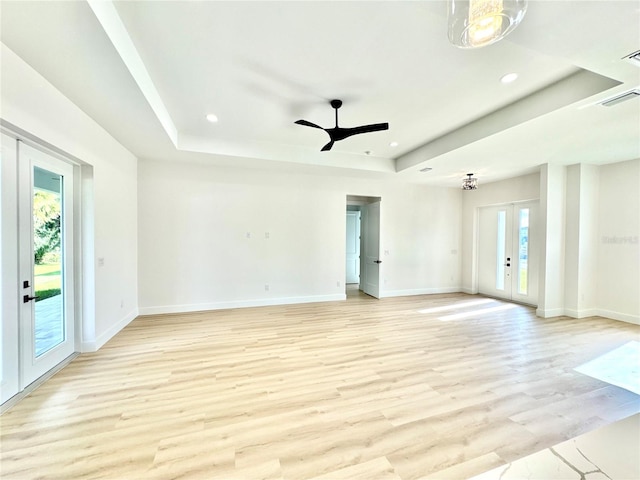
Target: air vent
x,y
621,98
426,169
633,58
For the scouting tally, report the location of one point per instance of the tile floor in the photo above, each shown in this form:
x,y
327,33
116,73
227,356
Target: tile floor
x,y
610,452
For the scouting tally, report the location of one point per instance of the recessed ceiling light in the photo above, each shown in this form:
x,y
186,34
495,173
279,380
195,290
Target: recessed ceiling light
x,y
509,77
212,118
393,144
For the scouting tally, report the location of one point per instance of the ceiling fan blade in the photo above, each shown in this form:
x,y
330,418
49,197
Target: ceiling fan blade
x,y
327,147
375,127
308,124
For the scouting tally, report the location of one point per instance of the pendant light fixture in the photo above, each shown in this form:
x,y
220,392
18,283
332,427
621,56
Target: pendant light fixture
x,y
470,183
476,23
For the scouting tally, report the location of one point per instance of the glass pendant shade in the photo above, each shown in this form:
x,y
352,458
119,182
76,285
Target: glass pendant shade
x,y
476,23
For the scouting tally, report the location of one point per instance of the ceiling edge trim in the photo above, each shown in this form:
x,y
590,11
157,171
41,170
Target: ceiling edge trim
x,y
568,90
106,13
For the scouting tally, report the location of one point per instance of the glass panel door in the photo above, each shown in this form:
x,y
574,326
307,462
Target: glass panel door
x,y
525,253
494,251
46,262
507,258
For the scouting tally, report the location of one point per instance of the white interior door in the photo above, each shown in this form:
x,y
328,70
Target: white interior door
x,y
370,261
10,380
45,282
353,248
508,252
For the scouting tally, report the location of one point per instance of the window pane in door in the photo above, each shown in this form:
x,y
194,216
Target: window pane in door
x,y
47,251
523,250
500,252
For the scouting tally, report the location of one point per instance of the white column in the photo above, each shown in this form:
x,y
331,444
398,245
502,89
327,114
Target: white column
x,y
552,216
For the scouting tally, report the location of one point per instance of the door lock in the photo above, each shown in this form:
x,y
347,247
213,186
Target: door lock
x,y
377,261
27,298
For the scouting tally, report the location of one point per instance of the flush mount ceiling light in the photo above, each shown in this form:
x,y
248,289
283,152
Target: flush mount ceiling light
x,y
477,23
212,118
509,77
393,144
470,183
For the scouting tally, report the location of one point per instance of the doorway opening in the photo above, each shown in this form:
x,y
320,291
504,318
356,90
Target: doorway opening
x,y
363,264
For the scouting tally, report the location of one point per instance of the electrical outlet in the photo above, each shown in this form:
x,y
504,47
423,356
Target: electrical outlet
x,y
266,287
266,235
101,261
248,235
338,283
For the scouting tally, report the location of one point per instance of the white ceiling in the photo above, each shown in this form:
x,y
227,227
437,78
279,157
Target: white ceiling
x,y
149,72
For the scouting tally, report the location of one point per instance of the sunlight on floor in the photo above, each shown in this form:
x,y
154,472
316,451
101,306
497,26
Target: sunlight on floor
x,y
457,306
477,313
618,367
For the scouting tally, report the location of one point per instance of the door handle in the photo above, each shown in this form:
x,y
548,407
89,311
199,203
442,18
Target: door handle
x,y
377,261
27,298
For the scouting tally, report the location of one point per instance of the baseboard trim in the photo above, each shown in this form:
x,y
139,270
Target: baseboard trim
x,y
94,346
591,312
623,317
419,291
549,313
263,302
570,312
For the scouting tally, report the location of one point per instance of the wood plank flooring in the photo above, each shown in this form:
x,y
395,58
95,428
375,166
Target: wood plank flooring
x,y
437,386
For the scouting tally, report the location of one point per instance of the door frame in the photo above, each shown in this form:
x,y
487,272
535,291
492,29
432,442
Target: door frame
x,y
10,249
10,375
363,201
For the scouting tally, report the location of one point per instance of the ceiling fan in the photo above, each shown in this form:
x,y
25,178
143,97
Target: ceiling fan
x,y
338,133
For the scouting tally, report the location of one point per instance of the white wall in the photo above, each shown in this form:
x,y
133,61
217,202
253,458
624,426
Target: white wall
x,y
526,187
194,253
618,242
33,105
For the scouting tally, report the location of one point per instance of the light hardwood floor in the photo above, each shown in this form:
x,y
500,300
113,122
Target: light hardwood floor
x,y
439,386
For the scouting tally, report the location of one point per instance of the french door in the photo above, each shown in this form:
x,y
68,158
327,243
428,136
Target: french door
x,y
508,252
38,309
